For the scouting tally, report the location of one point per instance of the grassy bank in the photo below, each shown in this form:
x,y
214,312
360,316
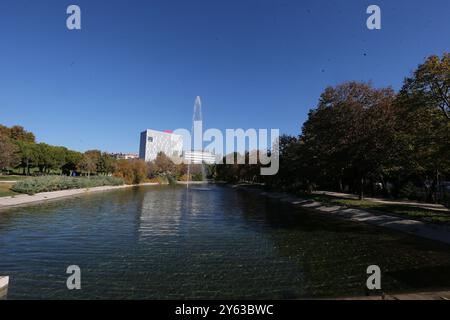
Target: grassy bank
x,y
5,190
54,183
404,210
12,178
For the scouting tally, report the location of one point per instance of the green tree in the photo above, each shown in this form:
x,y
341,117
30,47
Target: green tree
x,y
72,160
106,163
28,153
348,135
422,140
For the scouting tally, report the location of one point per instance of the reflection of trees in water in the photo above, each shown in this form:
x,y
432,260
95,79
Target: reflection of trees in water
x,y
335,254
228,243
160,212
46,210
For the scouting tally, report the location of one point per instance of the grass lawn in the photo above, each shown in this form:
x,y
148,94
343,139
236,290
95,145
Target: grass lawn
x,y
5,190
12,178
404,210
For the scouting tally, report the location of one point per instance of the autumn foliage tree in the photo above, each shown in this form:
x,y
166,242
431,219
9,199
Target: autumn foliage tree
x,y
359,137
9,156
132,171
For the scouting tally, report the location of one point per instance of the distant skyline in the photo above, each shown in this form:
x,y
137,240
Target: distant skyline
x,y
256,64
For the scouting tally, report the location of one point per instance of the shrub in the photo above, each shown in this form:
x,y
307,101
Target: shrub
x,y
159,179
131,171
54,183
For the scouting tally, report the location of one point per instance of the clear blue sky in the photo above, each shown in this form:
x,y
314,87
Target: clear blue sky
x,y
140,64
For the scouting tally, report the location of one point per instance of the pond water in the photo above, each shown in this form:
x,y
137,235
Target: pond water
x,y
165,242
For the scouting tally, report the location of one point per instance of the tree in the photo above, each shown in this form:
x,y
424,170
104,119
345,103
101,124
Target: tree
x,y
20,134
162,165
88,163
106,163
8,153
422,140
50,157
58,157
432,79
95,156
72,160
28,154
131,171
347,136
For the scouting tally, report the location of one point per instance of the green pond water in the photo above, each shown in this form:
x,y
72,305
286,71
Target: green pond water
x,y
169,243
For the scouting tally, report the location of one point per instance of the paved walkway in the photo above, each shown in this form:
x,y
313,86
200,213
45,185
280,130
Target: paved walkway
x,y
429,231
24,199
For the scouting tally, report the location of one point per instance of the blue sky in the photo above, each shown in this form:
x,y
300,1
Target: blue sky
x,y
140,64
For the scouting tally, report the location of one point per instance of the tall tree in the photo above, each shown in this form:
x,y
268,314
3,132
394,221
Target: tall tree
x,y
432,79
28,153
88,163
8,153
19,133
346,136
72,160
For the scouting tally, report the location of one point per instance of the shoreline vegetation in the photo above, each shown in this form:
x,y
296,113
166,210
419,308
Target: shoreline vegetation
x,y
26,199
35,185
29,199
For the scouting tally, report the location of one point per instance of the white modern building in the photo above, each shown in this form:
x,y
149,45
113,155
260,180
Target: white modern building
x,y
126,156
199,157
154,142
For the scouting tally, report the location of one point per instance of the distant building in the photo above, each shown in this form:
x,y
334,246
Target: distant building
x,y
125,156
154,142
198,157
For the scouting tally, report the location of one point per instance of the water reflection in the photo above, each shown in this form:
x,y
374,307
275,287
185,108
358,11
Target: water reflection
x,y
169,242
160,213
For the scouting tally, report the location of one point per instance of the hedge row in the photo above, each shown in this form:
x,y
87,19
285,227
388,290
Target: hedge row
x,y
54,183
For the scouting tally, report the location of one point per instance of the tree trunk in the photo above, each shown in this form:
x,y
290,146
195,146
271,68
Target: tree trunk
x,y
437,189
361,189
